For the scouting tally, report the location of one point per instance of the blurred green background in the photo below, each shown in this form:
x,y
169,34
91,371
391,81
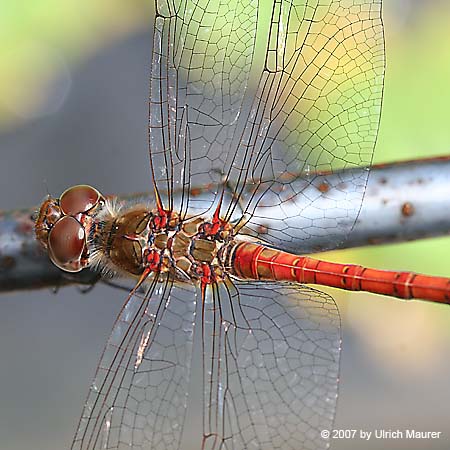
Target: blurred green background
x,y
57,101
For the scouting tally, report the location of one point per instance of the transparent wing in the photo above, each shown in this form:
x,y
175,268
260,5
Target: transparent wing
x,y
316,111
271,360
202,53
138,397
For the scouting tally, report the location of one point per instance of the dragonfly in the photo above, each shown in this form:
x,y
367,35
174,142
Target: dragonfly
x,y
213,287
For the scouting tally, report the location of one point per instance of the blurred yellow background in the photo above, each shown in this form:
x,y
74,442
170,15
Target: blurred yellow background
x,y
38,39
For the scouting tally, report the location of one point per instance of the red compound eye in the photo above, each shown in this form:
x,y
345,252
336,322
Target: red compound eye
x,y
79,199
66,244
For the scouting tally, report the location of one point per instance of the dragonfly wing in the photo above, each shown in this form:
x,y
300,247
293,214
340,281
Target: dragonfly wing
x,y
202,54
316,111
271,366
139,394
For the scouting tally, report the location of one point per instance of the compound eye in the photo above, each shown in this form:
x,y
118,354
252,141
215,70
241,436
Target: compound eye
x,y
79,199
66,244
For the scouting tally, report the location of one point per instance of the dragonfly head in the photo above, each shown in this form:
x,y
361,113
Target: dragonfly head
x,y
62,226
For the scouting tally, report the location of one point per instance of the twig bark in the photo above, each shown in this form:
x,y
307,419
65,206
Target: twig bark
x,y
404,201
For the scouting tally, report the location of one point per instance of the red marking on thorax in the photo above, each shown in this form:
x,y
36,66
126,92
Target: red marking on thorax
x,y
152,259
205,273
160,221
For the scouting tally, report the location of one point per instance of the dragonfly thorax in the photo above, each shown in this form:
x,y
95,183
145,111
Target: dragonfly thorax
x,y
137,240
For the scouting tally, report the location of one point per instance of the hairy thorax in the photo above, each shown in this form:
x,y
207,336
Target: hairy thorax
x,y
128,242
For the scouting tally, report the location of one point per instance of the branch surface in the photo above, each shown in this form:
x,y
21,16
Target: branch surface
x,y
403,202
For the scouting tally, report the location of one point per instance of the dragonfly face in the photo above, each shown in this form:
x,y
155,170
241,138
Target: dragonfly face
x,y
62,226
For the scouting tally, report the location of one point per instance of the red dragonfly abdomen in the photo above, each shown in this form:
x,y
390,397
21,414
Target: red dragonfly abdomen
x,y
256,261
